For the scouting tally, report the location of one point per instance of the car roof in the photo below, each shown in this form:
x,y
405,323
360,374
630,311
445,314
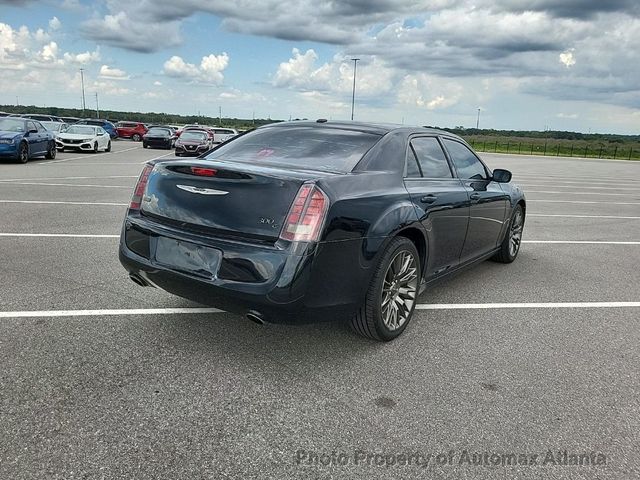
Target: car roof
x,y
368,127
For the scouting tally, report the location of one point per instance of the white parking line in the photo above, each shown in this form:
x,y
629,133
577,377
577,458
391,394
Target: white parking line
x,y
488,306
535,200
82,235
581,242
64,178
63,235
555,185
91,155
208,310
94,313
581,193
579,216
69,185
155,158
41,202
593,178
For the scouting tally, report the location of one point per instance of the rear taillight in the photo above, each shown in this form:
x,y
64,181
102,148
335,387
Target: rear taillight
x,y
306,215
138,192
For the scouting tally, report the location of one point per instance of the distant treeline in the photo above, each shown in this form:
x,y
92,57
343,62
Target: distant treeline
x,y
550,134
172,118
146,117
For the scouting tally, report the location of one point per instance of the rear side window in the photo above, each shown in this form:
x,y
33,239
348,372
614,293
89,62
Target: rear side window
x,y
467,164
433,163
317,148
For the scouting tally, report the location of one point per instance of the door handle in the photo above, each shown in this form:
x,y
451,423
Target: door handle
x,y
428,199
474,196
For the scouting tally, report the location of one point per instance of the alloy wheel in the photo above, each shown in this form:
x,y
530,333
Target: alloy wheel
x,y
23,154
399,290
516,233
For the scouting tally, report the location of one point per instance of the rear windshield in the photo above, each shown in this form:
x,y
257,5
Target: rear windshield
x,y
316,148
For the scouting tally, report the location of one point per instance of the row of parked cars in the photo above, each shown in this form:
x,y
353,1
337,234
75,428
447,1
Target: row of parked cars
x,y
32,135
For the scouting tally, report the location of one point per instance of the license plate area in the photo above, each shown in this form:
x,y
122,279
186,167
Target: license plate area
x,y
187,257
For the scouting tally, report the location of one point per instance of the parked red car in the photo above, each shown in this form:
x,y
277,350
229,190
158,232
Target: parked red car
x,y
133,130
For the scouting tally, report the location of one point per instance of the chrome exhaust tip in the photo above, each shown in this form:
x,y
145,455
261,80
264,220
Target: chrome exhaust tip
x,y
138,280
255,317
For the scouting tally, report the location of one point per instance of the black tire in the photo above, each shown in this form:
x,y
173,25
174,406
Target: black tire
x,y
511,244
136,137
23,152
144,145
95,147
108,149
369,321
51,151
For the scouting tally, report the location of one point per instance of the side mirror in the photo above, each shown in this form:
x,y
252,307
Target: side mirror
x,y
33,130
501,176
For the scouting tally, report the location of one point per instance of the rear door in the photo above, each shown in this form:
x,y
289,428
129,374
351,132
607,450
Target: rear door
x,y
43,135
34,138
440,200
488,200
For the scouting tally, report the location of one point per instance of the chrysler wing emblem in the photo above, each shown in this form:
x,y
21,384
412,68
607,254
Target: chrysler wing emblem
x,y
200,190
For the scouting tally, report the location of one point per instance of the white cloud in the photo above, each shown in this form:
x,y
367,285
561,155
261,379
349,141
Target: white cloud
x,y
113,73
157,83
83,58
49,52
429,92
210,70
571,116
300,72
54,23
567,58
41,36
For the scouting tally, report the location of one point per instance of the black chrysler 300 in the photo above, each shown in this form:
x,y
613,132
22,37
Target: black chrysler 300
x,y
302,221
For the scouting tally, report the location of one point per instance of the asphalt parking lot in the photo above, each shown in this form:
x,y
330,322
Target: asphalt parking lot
x,y
534,357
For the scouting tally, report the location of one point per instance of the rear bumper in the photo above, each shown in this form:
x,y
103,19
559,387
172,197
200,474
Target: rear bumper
x,y
284,284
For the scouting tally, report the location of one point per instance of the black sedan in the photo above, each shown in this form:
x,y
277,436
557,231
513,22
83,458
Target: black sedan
x,y
301,221
159,137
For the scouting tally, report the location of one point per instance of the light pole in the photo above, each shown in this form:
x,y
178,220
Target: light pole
x,y
478,120
353,94
82,82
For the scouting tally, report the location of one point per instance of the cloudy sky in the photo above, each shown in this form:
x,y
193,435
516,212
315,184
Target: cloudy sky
x,y
536,64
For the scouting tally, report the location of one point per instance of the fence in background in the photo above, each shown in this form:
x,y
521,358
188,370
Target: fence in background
x,y
557,149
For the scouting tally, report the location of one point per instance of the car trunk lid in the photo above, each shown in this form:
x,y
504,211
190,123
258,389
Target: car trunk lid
x,y
223,198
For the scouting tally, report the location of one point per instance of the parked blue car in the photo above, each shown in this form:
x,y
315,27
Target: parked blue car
x,y
23,138
98,122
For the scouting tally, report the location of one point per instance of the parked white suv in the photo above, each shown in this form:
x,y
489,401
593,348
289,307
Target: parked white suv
x,y
221,135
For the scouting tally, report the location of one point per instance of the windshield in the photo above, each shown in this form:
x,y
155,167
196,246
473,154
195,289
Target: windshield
x,y
53,126
11,125
329,149
194,135
159,132
81,129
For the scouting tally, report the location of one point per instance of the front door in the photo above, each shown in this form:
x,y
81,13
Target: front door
x,y
488,201
441,202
